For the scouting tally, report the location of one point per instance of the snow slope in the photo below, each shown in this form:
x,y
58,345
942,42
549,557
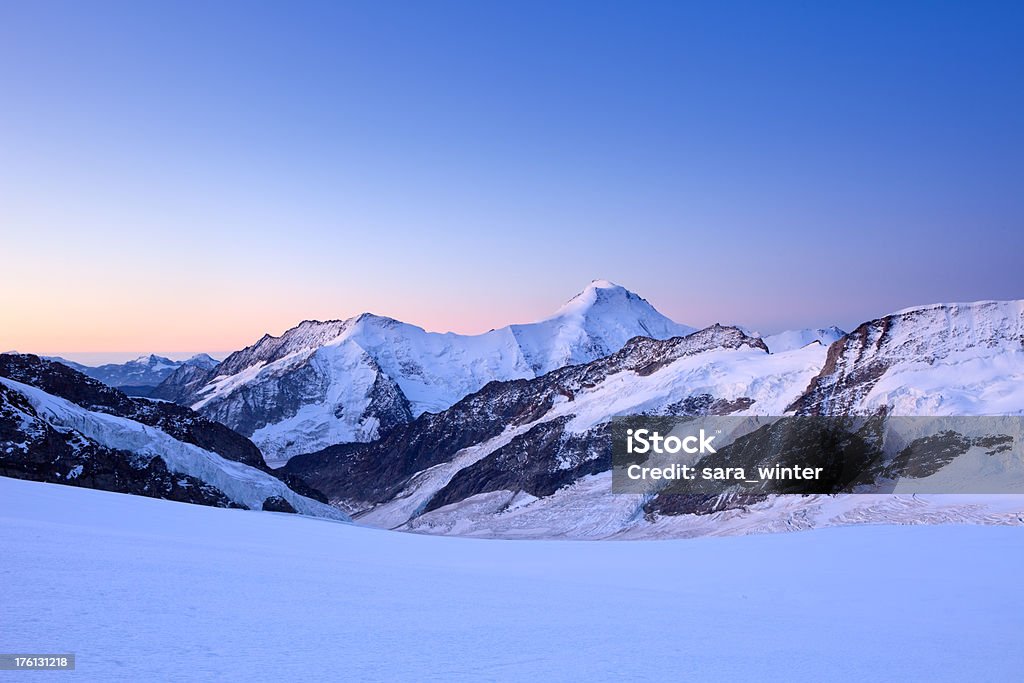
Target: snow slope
x,y
143,589
943,359
770,381
587,510
241,483
795,339
594,323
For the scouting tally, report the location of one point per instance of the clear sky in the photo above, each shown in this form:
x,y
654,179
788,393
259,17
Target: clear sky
x,y
188,176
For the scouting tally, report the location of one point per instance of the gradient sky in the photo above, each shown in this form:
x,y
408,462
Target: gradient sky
x,y
188,176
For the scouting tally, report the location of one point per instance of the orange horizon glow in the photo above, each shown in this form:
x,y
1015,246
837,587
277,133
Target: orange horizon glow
x,y
176,328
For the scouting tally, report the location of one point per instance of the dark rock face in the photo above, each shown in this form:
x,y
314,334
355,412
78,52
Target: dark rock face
x,y
927,455
848,450
179,422
280,397
299,485
851,369
929,335
307,334
182,384
277,504
849,454
387,403
539,461
32,449
706,404
135,390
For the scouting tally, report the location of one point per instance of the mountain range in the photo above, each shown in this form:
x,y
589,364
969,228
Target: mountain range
x,y
58,425
533,456
353,380
139,376
506,433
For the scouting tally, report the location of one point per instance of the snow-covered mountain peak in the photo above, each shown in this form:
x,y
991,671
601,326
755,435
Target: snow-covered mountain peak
x,y
202,360
373,318
306,336
374,322
152,359
943,359
136,376
603,297
322,383
594,323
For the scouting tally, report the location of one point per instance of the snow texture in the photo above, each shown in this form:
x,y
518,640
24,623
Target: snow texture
x,y
143,589
795,339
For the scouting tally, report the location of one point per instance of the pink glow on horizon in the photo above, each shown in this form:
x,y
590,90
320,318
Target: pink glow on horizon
x,y
97,331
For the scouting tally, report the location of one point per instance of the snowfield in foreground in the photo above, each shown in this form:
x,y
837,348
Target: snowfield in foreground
x,y
143,589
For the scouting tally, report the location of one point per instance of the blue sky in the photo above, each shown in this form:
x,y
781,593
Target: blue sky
x,y
188,176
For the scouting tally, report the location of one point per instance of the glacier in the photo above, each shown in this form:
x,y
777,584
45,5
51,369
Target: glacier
x,y
241,483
